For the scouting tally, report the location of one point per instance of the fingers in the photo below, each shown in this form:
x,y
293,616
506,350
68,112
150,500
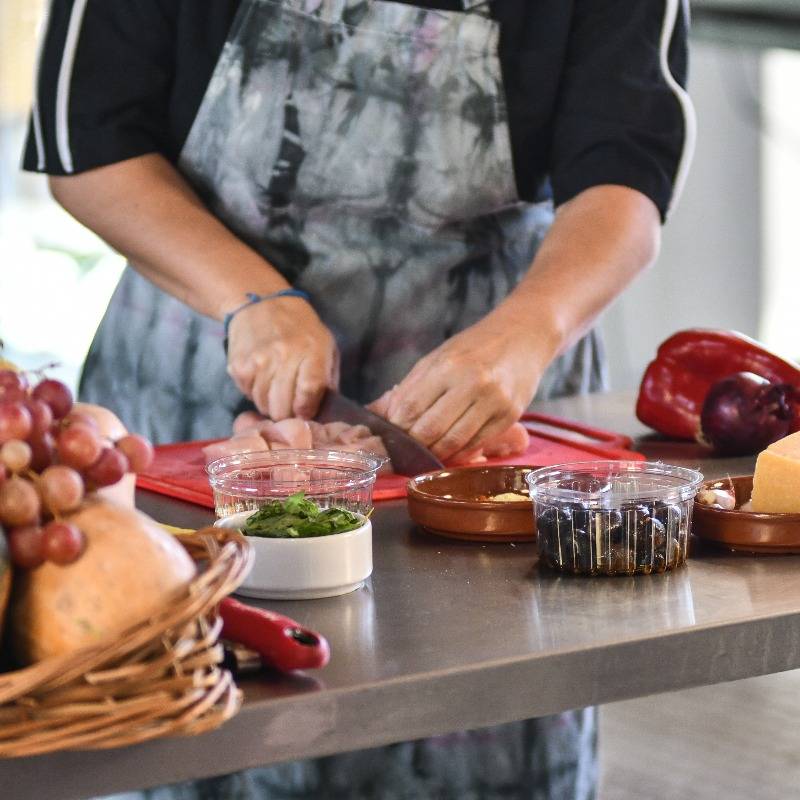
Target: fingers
x,y
243,375
487,430
381,405
313,378
442,416
455,438
282,389
415,395
260,391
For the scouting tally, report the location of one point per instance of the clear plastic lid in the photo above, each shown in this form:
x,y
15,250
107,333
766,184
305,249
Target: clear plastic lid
x,y
278,472
612,484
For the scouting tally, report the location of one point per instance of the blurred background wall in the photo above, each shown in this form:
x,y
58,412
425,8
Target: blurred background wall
x,y
729,259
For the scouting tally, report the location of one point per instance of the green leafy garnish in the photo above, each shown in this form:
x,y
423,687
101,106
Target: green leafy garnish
x,y
298,518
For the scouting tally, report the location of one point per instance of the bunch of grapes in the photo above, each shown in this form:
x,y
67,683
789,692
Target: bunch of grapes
x,y
50,456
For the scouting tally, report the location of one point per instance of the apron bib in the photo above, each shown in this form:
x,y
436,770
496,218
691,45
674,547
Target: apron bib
x,y
362,147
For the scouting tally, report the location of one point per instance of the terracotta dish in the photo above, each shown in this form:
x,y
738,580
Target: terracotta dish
x,y
455,503
745,531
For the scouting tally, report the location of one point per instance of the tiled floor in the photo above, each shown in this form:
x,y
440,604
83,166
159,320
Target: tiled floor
x,y
735,741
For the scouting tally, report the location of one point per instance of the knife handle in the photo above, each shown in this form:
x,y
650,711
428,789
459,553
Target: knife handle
x,y
281,642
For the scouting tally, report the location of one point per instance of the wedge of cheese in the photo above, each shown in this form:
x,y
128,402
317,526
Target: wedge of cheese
x,y
776,484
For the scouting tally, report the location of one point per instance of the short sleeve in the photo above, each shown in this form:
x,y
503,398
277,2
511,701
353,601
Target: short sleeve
x,y
623,115
103,81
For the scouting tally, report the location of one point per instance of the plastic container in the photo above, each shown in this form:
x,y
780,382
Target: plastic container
x,y
613,517
245,481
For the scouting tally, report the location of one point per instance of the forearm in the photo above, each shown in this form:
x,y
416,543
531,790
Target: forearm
x,y
147,211
600,241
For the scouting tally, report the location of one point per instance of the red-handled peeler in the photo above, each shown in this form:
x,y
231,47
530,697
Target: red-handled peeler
x,y
281,642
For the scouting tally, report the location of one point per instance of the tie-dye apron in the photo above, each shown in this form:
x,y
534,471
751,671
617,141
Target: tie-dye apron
x,y
362,147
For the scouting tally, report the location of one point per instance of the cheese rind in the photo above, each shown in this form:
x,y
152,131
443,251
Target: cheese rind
x,y
776,483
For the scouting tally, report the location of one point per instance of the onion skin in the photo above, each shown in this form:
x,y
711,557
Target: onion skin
x,y
744,413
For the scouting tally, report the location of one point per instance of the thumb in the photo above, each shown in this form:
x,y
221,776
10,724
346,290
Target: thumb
x,y
381,405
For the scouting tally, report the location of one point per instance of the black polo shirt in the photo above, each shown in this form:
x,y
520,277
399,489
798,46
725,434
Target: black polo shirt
x,y
593,87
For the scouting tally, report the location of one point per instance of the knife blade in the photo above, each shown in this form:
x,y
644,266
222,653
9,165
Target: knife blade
x,y
409,457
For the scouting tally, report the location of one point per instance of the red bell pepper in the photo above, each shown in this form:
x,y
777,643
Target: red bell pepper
x,y
687,364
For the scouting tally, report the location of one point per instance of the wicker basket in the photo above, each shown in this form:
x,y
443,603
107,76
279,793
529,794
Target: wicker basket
x,y
161,677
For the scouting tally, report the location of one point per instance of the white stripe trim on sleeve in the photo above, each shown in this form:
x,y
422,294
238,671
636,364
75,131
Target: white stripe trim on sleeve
x,y
64,81
672,9
41,160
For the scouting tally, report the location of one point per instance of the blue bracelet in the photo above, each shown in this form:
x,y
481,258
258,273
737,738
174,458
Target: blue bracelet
x,y
252,299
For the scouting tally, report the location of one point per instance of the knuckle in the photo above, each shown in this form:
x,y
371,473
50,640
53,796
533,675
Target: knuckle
x,y
427,433
451,442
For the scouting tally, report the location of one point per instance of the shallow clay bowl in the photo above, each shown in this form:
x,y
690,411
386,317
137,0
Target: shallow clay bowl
x,y
449,503
745,531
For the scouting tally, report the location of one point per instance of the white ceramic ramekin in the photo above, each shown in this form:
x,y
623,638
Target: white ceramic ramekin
x,y
305,569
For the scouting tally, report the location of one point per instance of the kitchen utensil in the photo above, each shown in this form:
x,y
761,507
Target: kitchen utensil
x,y
456,503
613,517
408,456
280,642
745,531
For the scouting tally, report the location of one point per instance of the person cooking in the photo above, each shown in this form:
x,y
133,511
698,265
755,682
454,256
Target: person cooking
x,y
423,203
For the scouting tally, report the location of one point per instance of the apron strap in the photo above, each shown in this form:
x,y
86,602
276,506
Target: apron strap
x,y
471,4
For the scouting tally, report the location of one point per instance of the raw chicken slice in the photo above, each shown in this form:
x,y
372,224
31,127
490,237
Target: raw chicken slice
x,y
246,420
354,433
293,432
241,443
334,430
319,436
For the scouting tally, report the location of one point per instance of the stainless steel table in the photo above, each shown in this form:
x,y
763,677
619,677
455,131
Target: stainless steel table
x,y
449,636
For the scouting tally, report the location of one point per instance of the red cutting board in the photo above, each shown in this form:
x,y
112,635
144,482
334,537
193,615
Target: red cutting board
x,y
178,469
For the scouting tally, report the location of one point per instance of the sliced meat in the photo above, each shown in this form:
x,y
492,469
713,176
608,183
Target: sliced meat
x,y
354,433
242,443
294,433
246,420
319,436
334,430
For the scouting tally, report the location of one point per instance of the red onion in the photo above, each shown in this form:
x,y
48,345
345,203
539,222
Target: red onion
x,y
744,413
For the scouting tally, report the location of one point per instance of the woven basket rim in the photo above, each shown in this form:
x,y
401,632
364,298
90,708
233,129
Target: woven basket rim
x,y
159,677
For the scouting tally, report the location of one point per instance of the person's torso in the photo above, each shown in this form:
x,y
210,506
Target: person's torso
x,y
532,49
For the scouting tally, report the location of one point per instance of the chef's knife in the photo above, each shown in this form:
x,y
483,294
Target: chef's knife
x,y
409,457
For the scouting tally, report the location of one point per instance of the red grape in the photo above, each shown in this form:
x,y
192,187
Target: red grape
x,y
61,488
41,415
63,542
12,380
137,450
19,502
16,455
26,546
79,446
108,469
56,395
15,421
44,450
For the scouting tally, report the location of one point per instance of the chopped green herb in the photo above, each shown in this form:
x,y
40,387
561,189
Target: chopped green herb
x,y
299,518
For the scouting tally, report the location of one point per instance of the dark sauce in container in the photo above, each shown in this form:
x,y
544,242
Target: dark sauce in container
x,y
613,518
